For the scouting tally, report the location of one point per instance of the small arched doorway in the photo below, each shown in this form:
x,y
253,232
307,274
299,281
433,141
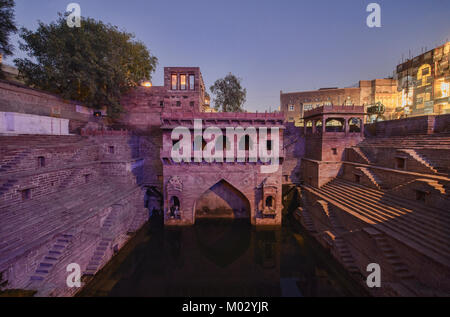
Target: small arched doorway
x,y
174,201
174,207
269,202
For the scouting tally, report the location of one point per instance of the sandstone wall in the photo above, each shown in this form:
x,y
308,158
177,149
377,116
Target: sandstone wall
x,y
19,98
85,193
409,126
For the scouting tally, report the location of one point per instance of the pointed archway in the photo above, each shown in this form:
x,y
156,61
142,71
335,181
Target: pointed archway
x,y
222,200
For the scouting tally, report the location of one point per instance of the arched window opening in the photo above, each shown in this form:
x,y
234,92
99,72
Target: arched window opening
x,y
203,143
269,202
309,125
223,143
354,125
319,126
245,143
334,125
174,201
174,208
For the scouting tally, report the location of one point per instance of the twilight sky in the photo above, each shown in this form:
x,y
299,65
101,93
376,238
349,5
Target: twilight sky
x,y
273,45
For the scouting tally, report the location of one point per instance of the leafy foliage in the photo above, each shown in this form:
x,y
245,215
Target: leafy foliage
x,y
94,64
7,26
229,94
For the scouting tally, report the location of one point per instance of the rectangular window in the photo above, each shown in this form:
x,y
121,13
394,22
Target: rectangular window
x,y
86,178
291,108
41,161
174,82
400,163
334,151
191,104
26,194
183,82
161,104
420,195
357,178
178,103
111,150
191,82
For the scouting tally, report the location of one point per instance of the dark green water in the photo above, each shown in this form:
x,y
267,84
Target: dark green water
x,y
222,258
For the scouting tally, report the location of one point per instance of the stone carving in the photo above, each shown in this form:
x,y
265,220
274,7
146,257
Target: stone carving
x,y
199,180
247,180
270,181
175,184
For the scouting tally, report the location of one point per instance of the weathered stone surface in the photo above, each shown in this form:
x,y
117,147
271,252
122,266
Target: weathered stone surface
x,y
383,200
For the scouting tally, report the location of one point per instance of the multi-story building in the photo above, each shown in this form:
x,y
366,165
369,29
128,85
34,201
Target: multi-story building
x,y
183,90
367,94
424,83
379,91
294,104
421,86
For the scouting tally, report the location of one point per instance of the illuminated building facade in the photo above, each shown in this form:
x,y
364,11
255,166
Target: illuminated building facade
x,y
381,92
294,104
367,94
423,84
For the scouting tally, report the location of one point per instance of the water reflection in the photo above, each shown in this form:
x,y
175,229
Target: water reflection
x,y
221,258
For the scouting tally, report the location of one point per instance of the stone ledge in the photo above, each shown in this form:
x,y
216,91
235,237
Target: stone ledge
x,y
15,175
431,176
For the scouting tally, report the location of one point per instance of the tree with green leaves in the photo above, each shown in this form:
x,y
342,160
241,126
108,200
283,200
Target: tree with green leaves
x,y
94,64
229,96
7,27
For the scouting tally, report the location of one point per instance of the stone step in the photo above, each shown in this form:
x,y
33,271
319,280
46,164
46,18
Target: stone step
x,y
422,245
38,217
94,263
397,201
413,216
45,228
45,206
390,201
379,212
